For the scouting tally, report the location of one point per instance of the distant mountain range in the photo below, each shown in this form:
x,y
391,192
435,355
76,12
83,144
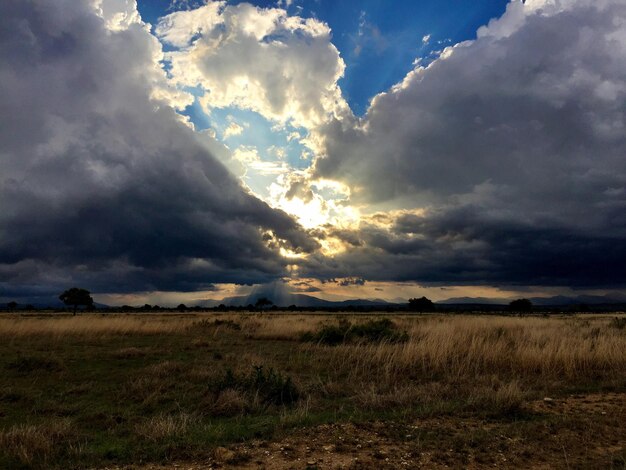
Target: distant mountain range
x,y
299,300
302,300
558,300
283,298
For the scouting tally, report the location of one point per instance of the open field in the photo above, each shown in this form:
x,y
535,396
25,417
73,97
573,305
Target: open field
x,y
319,391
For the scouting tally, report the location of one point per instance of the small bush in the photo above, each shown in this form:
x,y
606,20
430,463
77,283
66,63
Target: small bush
x,y
619,323
373,331
269,386
330,334
229,402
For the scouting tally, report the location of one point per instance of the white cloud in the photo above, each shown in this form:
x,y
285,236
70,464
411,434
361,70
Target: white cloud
x,y
283,67
118,14
250,161
233,129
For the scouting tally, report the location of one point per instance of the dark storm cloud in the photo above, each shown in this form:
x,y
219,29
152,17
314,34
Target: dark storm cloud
x,y
104,186
304,286
515,143
463,246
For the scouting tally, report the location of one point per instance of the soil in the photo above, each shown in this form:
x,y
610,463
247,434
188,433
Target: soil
x,y
579,431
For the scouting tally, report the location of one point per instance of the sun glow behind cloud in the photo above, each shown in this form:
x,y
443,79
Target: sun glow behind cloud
x,y
269,80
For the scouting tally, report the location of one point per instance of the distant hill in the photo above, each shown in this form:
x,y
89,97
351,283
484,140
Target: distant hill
x,y
300,300
554,301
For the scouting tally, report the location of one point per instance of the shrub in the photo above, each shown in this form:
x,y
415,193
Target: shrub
x,y
373,331
379,330
330,334
619,323
271,387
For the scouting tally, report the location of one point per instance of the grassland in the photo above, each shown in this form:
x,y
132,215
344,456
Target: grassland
x,y
100,390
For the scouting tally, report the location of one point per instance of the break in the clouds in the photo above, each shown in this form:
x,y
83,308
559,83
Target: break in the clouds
x,y
512,147
102,183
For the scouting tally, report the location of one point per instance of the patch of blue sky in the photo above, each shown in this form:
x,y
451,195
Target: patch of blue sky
x,y
152,10
272,142
195,112
379,40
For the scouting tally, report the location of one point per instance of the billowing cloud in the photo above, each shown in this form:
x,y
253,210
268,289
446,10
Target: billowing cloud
x,y
513,144
102,184
284,67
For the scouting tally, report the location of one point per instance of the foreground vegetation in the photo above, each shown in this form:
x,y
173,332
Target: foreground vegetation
x,y
94,390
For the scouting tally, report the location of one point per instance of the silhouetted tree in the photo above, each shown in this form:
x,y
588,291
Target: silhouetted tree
x,y
421,305
521,305
181,307
76,296
263,302
12,305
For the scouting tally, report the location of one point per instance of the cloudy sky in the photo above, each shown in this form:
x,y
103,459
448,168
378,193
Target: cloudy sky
x,y
173,151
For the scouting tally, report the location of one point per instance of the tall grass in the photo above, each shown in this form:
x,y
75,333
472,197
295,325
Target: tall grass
x,y
468,346
38,443
147,384
464,348
89,325
454,346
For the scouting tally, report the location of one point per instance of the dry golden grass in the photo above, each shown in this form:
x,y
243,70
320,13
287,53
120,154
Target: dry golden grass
x,y
164,379
90,325
281,326
163,426
491,361
261,326
27,443
457,346
228,403
465,347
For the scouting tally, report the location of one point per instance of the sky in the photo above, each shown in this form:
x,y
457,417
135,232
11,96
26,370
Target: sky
x,y
176,151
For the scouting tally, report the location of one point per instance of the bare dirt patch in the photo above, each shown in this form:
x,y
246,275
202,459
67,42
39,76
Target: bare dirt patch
x,y
578,431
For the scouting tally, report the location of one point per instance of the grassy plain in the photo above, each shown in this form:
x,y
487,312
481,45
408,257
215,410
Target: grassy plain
x,y
211,389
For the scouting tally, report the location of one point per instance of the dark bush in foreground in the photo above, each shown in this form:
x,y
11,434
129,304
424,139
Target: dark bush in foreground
x,y
373,331
270,386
